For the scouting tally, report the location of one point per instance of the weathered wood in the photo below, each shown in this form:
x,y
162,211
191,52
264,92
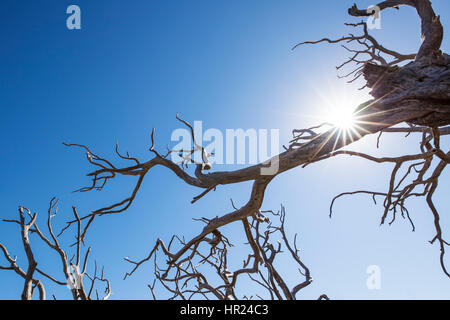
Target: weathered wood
x,y
424,84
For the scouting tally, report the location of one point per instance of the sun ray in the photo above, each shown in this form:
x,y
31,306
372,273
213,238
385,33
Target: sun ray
x,y
356,126
337,138
325,142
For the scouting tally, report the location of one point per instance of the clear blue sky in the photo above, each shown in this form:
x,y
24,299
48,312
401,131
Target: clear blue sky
x,y
134,65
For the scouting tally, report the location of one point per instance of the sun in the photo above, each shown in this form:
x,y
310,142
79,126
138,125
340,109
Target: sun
x,y
341,116
336,106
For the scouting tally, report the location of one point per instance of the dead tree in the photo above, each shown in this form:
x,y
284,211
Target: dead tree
x,y
205,271
411,89
73,269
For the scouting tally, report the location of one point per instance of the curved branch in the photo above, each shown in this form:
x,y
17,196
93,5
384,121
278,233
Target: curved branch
x,y
432,30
